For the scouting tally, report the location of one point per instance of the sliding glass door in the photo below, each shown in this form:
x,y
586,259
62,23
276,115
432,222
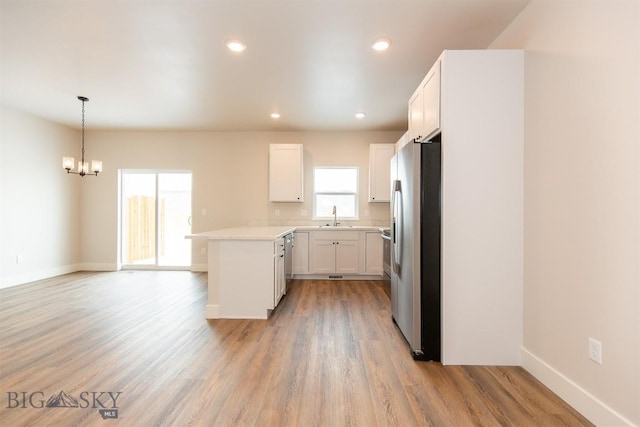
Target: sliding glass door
x,y
155,217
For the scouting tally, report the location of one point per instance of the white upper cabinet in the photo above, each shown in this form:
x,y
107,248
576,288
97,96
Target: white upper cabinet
x,y
431,102
415,114
379,179
286,173
424,106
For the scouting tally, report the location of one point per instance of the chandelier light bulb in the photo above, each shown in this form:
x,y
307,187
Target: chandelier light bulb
x,y
68,163
96,166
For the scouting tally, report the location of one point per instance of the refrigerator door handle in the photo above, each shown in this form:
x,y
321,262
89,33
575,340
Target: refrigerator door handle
x,y
396,229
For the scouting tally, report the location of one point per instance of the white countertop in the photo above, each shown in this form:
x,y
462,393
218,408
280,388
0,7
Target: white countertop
x,y
339,228
245,233
270,232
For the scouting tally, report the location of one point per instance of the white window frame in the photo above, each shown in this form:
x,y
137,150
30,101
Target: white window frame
x,y
356,194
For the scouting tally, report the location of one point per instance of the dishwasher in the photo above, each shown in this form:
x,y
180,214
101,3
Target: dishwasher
x,y
386,259
288,257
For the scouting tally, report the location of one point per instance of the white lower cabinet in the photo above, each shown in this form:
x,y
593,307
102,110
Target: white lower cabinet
x,y
300,257
246,278
278,273
347,257
373,253
324,256
333,252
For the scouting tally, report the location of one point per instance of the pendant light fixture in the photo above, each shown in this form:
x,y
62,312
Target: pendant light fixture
x,y
83,167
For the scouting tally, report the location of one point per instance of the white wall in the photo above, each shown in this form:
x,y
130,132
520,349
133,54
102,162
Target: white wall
x,y
39,202
230,179
582,207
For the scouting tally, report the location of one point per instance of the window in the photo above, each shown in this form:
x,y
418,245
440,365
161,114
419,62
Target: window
x,y
336,186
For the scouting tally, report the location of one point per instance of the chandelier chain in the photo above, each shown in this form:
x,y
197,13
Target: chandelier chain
x,y
83,131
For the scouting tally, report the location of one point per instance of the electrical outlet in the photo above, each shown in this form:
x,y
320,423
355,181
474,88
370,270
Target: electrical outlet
x,y
277,212
203,251
303,212
19,259
595,350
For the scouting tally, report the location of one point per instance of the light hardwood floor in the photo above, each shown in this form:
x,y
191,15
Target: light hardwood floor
x,y
328,356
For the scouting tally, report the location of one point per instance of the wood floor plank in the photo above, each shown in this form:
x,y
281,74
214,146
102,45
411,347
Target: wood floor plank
x,y
329,355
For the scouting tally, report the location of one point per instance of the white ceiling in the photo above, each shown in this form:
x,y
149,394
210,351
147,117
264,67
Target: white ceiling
x,y
163,64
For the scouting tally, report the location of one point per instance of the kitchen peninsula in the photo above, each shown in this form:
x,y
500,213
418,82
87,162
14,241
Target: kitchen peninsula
x,y
246,272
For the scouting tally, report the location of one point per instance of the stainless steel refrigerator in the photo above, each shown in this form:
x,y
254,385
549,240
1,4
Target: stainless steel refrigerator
x,y
416,243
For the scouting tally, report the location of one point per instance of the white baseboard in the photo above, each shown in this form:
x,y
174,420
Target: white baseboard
x,y
342,277
212,311
584,402
98,267
199,268
33,276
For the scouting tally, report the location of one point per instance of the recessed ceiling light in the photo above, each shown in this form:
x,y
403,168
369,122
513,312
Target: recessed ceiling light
x,y
381,44
235,45
275,115
360,115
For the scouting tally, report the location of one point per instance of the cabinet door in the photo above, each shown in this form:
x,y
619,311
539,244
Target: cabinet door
x,y
379,162
301,253
286,173
431,102
279,281
323,259
415,115
346,257
373,253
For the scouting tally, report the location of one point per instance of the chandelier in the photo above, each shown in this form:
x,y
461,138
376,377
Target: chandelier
x,y
83,167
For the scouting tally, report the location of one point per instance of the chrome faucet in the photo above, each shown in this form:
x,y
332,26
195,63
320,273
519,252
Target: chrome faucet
x,y
335,218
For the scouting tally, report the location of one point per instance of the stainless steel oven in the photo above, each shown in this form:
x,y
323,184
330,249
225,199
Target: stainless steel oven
x,y
386,258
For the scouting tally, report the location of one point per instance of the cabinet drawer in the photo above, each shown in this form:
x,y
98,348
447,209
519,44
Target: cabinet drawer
x,y
278,246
